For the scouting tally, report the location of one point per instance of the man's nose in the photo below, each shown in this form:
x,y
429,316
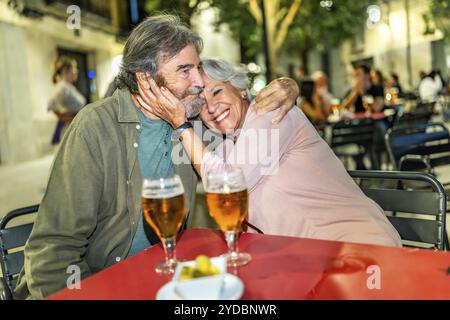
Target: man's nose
x,y
196,78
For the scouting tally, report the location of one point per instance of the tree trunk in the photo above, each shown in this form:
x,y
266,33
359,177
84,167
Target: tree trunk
x,y
304,58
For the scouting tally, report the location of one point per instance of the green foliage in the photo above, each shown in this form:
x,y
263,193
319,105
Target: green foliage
x,y
317,27
438,17
241,23
313,26
183,8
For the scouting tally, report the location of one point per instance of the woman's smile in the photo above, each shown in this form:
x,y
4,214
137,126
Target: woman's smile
x,y
222,116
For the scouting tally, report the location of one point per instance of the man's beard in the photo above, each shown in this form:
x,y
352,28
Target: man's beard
x,y
194,105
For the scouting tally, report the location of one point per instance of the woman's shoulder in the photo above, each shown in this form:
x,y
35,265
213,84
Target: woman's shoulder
x,y
294,116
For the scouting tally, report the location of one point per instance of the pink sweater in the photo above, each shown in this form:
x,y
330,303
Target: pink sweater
x,y
308,192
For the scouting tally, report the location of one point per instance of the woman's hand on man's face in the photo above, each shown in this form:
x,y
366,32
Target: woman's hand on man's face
x,y
161,103
280,94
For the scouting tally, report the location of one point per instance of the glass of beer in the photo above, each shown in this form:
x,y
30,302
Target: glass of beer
x,y
368,101
335,103
394,94
227,201
164,209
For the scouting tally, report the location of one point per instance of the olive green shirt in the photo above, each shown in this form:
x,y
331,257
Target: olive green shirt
x,y
90,210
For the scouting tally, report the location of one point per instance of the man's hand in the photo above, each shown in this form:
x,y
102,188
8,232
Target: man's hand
x,y
280,93
161,103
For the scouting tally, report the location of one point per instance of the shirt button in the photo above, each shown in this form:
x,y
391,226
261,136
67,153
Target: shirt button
x,y
135,145
117,259
128,182
138,127
166,154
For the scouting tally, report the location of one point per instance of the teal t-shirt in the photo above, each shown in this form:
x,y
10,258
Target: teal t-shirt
x,y
154,155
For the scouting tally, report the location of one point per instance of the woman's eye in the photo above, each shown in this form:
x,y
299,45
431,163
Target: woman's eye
x,y
216,92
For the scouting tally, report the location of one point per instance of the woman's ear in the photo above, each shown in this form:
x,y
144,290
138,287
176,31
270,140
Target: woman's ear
x,y
244,94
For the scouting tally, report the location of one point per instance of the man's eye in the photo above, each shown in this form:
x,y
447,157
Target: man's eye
x,y
185,72
216,92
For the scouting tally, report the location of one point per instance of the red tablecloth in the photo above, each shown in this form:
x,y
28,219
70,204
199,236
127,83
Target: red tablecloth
x,y
286,268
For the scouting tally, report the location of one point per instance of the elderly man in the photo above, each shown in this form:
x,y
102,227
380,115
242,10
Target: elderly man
x,y
90,216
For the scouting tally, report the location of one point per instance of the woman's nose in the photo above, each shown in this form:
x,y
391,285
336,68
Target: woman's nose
x,y
211,107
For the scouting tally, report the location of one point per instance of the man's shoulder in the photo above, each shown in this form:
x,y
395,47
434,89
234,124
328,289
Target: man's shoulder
x,y
101,111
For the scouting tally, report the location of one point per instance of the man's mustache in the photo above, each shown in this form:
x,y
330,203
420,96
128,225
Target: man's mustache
x,y
192,91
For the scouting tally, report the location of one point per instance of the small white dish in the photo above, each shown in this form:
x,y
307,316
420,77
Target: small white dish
x,y
201,288
232,289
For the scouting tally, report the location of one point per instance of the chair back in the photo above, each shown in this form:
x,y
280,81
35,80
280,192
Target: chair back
x,y
352,131
427,141
12,240
417,214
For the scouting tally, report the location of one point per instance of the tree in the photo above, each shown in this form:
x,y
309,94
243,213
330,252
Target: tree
x,y
438,17
278,19
183,8
314,25
324,27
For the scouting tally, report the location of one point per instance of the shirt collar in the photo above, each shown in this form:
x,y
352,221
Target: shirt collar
x,y
127,108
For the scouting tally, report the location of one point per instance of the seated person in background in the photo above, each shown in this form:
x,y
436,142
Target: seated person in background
x,y
363,87
311,103
393,82
297,187
66,100
321,81
376,77
430,87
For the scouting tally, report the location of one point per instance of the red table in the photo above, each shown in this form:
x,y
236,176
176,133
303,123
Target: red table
x,y
286,268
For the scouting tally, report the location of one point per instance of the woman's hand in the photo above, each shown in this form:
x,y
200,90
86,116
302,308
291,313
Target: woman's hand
x,y
161,103
280,94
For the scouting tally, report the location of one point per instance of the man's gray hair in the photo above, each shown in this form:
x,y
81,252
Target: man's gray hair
x,y
221,70
153,41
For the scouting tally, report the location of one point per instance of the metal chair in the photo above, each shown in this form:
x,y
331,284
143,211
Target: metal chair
x,y
418,147
11,252
406,208
421,114
353,132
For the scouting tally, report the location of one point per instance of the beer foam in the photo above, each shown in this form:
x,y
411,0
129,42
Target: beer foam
x,y
225,189
161,194
225,181
156,189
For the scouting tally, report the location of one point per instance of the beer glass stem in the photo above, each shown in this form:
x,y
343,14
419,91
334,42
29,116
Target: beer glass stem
x,y
169,249
230,237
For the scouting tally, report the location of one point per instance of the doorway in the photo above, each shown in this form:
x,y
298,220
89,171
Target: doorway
x,y
83,82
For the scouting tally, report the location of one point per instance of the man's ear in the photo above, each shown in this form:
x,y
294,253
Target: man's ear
x,y
142,79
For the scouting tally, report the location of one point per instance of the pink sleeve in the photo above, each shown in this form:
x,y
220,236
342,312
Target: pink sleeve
x,y
258,149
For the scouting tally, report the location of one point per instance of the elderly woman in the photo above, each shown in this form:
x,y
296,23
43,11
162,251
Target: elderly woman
x,y
297,186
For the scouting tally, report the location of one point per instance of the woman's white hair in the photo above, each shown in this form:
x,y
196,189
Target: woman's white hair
x,y
221,70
